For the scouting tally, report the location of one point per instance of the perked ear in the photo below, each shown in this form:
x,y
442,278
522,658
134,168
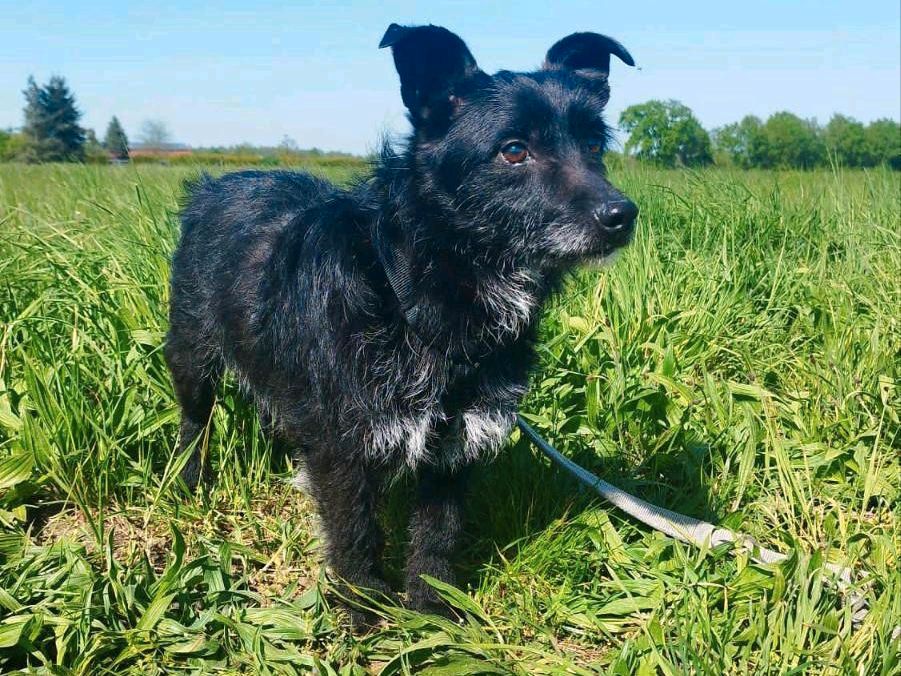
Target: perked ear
x,y
433,63
588,53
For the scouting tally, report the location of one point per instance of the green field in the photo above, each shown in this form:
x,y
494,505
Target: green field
x,y
739,363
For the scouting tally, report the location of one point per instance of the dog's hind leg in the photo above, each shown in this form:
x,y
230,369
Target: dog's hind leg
x,y
195,376
435,527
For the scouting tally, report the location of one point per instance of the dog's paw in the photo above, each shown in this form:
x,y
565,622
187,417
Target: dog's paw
x,y
360,620
424,598
196,474
361,601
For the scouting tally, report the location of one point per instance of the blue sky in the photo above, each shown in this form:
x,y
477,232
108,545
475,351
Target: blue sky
x,y
219,73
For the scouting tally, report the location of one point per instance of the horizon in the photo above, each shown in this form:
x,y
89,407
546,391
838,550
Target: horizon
x,y
238,84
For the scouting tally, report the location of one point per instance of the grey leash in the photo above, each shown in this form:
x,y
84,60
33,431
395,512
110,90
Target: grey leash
x,y
686,528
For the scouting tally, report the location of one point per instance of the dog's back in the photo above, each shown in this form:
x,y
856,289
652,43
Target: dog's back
x,y
246,239
230,225
236,230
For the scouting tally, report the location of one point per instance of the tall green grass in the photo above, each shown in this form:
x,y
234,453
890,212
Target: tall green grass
x,y
738,363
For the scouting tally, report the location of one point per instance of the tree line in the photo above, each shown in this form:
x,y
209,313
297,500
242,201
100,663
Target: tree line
x,y
52,132
668,133
662,132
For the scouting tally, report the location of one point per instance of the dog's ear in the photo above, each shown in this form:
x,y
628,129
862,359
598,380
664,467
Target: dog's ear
x,y
586,53
434,66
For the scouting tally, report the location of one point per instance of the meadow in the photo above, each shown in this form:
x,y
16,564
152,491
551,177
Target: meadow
x,y
739,363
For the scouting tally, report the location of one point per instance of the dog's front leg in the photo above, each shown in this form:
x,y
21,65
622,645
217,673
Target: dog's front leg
x,y
345,490
435,527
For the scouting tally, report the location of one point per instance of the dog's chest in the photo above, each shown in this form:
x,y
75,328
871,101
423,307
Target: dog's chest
x,y
427,428
436,432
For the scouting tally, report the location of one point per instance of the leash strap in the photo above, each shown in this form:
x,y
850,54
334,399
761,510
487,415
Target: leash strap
x,y
398,267
397,263
685,528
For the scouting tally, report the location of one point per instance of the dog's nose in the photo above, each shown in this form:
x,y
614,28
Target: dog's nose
x,y
618,216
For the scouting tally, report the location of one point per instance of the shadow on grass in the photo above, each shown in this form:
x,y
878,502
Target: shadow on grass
x,y
521,494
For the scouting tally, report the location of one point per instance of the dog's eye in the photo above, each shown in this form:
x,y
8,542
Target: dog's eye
x,y
515,152
594,146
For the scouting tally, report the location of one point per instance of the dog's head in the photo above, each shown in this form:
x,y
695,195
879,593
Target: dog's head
x,y
514,161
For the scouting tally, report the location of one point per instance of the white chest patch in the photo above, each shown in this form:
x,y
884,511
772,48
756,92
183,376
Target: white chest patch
x,y
476,434
484,432
410,435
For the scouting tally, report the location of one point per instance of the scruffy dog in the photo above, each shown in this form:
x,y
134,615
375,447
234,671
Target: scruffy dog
x,y
391,326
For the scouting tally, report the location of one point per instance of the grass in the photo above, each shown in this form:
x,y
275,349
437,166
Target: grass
x,y
739,363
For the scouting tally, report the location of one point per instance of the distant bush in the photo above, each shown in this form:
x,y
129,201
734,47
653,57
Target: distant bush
x,y
12,145
884,142
5,137
248,158
94,152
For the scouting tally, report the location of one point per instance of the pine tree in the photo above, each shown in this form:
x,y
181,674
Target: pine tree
x,y
51,123
116,142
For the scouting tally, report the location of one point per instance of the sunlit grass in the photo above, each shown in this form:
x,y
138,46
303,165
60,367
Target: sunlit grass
x,y
739,363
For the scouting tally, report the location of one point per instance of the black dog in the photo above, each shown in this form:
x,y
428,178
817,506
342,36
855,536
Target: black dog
x,y
391,326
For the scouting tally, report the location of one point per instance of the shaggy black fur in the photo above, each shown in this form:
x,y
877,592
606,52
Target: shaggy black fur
x,y
391,326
